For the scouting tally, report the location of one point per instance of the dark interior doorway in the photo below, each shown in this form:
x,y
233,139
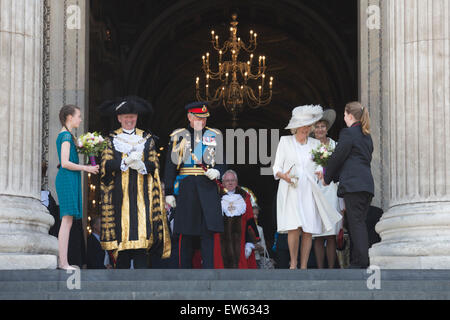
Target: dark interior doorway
x,y
153,49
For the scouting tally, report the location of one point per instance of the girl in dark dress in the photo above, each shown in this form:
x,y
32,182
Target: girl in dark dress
x,y
68,179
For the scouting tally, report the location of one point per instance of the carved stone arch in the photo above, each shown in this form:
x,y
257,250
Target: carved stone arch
x,y
145,72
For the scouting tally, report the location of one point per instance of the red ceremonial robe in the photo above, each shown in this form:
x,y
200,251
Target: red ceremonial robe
x,y
246,227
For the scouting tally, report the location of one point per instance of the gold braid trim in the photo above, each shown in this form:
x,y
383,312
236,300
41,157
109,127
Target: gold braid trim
x,y
166,234
150,214
108,232
178,148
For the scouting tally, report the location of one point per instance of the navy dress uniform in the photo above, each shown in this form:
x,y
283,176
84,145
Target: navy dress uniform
x,y
198,204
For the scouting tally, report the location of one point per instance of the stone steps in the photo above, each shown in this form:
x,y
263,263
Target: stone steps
x,y
229,295
174,284
224,286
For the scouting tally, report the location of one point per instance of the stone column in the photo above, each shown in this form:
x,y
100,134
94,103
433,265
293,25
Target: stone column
x,y
374,89
415,231
24,221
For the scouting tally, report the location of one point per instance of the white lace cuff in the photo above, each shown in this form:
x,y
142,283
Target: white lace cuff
x,y
123,165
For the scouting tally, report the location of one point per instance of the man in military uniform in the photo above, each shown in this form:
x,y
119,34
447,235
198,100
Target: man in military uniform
x,y
133,214
193,166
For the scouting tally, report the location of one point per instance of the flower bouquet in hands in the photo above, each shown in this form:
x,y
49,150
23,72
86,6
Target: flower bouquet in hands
x,y
91,144
321,155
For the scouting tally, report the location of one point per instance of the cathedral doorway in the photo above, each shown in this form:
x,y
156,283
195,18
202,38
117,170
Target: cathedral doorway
x,y
153,49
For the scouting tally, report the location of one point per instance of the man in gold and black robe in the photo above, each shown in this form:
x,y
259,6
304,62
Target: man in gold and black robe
x,y
134,220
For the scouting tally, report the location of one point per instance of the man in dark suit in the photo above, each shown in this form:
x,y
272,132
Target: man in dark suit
x,y
193,165
97,258
350,166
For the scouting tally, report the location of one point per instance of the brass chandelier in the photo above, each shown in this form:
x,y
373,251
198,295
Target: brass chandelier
x,y
233,91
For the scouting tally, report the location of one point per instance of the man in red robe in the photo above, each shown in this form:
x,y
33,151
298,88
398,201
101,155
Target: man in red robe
x,y
240,231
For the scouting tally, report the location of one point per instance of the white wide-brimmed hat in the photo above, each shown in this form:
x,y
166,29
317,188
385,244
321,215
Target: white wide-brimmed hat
x,y
329,116
305,116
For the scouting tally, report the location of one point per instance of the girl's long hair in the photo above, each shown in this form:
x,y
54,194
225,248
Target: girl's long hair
x,y
360,113
64,113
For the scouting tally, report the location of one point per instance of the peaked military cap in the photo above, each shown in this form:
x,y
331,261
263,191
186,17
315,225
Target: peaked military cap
x,y
198,108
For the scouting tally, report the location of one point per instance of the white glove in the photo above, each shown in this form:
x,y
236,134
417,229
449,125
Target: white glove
x,y
248,249
137,165
135,156
127,161
212,174
170,200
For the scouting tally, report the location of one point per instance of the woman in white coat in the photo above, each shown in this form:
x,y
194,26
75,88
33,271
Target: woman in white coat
x,y
320,132
301,206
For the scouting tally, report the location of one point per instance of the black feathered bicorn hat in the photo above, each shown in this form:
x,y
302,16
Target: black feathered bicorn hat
x,y
125,105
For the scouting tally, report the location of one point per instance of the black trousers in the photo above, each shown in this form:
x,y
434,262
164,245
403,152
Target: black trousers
x,y
356,209
139,257
186,249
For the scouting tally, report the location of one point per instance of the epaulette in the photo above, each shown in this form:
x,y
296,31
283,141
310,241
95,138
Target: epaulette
x,y
214,130
176,131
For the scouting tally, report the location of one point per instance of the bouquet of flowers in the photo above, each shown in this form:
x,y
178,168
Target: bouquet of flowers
x,y
91,144
321,155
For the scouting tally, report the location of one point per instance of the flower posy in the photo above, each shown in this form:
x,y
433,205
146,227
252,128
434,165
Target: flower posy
x,y
321,155
91,144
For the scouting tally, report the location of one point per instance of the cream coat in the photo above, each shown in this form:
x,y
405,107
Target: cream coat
x,y
288,211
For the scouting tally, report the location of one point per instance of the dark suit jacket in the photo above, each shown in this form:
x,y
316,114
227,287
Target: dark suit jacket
x,y
350,162
95,254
